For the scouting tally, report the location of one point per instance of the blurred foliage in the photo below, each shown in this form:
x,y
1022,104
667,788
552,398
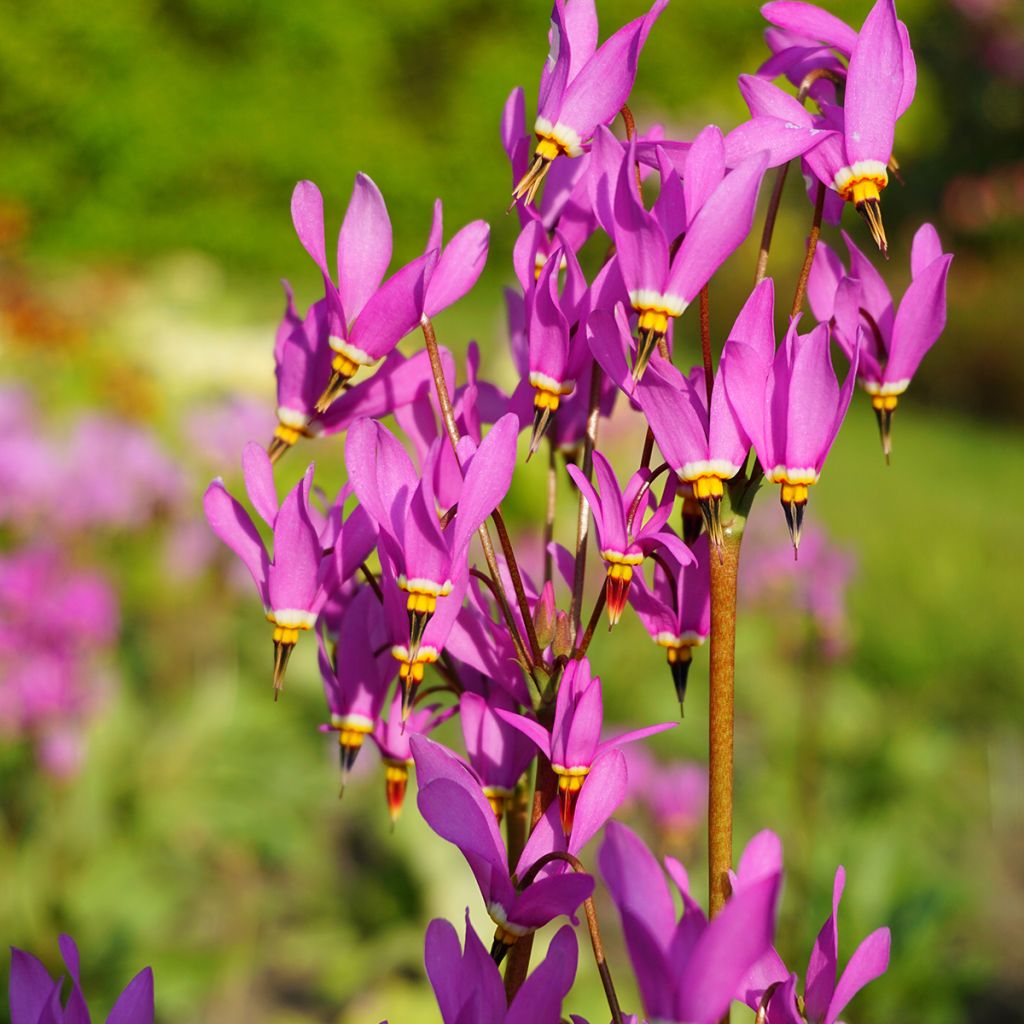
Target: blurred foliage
x,y
149,152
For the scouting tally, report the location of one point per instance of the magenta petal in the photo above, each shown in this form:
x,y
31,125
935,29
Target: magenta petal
x,y
603,791
364,246
529,728
635,734
762,857
487,479
782,140
544,900
442,957
598,92
75,1010
480,979
258,473
718,229
640,243
548,329
608,337
909,72
581,30
869,961
635,879
381,473
826,273
920,320
308,218
821,969
135,1004
764,99
581,728
926,249
540,999
232,524
30,988
744,374
875,295
461,263
874,86
461,814
513,122
613,515
555,73
811,22
394,309
731,944
705,169
813,400
293,573
679,428
586,488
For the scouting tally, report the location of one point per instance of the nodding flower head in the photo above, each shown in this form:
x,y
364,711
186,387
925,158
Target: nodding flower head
x,y
365,317
582,85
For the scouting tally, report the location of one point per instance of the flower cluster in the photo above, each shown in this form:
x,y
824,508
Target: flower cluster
x,y
386,573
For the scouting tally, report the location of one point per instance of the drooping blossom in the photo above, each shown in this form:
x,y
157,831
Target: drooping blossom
x,y
498,752
356,676
295,585
35,997
426,554
624,537
573,743
582,85
894,339
468,985
675,608
714,208
394,736
365,318
688,970
880,82
452,803
770,988
803,408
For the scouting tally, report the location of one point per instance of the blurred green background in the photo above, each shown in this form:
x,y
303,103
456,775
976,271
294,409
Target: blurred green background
x,y
149,151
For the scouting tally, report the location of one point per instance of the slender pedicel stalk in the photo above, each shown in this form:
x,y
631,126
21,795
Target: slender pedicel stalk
x,y
720,715
372,580
705,342
592,927
648,484
583,515
769,223
812,245
452,429
549,513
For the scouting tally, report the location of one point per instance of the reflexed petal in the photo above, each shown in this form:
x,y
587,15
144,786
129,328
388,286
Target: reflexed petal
x,y
460,813
539,1001
812,22
603,791
487,480
782,140
232,524
640,243
764,99
705,169
869,961
364,246
135,1004
461,263
926,248
442,957
874,86
529,728
821,969
308,218
544,900
826,272
292,577
30,989
635,879
259,482
920,320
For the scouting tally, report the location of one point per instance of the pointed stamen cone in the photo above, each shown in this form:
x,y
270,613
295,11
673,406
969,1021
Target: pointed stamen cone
x,y
693,521
679,662
417,624
541,421
499,947
335,386
282,652
646,343
794,520
347,754
408,687
568,798
871,211
616,594
530,181
277,447
711,514
396,781
884,407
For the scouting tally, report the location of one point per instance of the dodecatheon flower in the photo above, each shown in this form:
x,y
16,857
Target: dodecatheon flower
x,y
879,87
469,988
365,318
459,263
582,85
498,753
770,988
719,209
356,677
453,805
393,738
572,746
688,970
302,361
676,609
622,533
296,584
894,340
803,408
403,504
35,998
